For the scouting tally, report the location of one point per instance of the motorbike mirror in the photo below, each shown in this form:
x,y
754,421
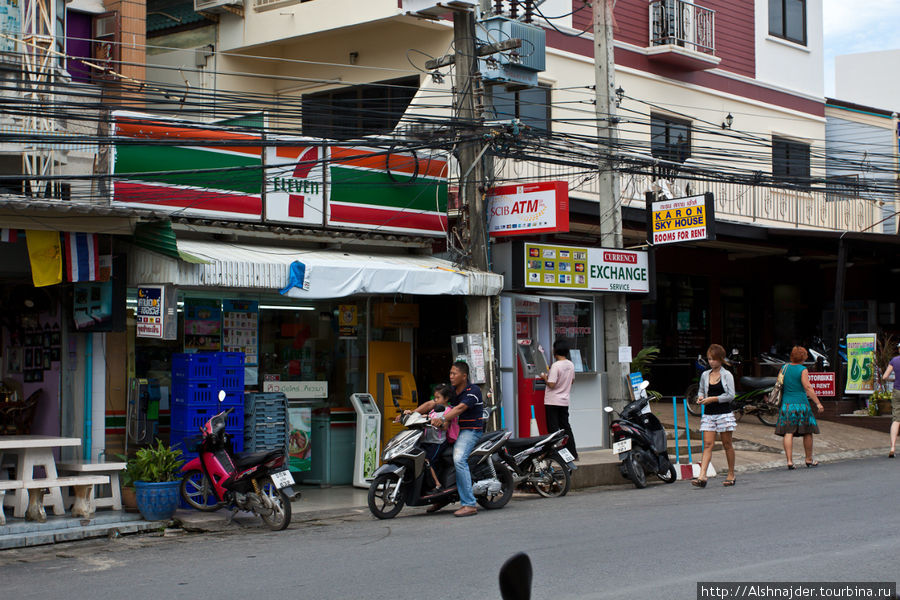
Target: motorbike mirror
x,y
608,409
221,395
439,408
644,385
515,578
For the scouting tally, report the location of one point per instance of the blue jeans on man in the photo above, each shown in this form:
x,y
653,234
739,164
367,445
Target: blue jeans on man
x,y
463,447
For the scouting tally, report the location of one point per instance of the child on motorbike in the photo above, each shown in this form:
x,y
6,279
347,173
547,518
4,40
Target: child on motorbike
x,y
437,439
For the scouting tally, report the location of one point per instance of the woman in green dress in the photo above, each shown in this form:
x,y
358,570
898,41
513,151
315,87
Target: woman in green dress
x,y
796,416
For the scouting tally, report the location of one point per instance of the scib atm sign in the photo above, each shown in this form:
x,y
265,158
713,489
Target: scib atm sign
x,y
682,220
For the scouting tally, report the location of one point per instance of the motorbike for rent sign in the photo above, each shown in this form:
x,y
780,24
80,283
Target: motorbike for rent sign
x,y
860,363
676,220
823,384
589,269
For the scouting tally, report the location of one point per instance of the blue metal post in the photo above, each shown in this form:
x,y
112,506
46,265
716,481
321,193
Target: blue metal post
x,y
88,393
687,432
675,416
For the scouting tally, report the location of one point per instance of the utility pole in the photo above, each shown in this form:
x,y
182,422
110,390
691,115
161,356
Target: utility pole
x,y
469,92
615,327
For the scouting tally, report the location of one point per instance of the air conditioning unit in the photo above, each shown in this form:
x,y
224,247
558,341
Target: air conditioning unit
x,y
519,66
430,8
217,6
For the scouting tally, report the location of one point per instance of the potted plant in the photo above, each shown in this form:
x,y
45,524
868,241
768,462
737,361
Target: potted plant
x,y
156,481
129,500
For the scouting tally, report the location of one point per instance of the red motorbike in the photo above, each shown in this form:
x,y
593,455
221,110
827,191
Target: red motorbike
x,y
257,482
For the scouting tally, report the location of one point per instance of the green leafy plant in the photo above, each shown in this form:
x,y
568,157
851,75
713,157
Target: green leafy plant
x,y
643,359
157,464
128,474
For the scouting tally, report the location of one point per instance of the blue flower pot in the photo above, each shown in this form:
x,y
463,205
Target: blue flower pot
x,y
157,501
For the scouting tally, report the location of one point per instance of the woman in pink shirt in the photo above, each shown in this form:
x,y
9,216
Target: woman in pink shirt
x,y
556,396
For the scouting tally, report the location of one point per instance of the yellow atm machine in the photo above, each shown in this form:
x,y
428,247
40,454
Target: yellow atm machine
x,y
395,391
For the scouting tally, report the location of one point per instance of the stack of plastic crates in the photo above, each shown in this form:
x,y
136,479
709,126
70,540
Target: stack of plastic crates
x,y
265,421
196,382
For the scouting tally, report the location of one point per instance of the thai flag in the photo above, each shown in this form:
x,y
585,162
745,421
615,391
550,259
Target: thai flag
x,y
82,257
8,235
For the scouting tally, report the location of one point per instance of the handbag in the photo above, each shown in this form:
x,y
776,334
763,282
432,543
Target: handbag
x,y
775,395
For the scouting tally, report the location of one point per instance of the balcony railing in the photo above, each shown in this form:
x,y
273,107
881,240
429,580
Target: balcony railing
x,y
680,23
738,203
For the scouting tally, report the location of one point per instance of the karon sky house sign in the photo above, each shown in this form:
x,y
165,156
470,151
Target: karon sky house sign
x,y
688,219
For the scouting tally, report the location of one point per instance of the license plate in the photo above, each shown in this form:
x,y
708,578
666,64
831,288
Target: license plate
x,y
622,446
566,455
282,478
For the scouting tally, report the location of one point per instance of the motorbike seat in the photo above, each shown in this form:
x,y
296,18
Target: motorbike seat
x,y
758,383
246,460
522,443
491,436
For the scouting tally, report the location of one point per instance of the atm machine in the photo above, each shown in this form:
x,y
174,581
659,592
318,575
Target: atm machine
x,y
368,439
395,392
531,363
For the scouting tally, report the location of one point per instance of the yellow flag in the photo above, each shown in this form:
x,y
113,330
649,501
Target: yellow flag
x,y
45,253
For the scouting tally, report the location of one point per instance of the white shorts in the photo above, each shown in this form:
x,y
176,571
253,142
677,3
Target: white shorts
x,y
718,423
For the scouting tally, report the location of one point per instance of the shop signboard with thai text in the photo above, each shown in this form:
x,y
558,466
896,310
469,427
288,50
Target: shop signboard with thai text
x,y
676,220
528,208
860,363
155,315
297,390
588,269
823,384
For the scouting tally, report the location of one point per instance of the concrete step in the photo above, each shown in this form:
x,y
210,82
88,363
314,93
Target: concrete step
x,y
18,533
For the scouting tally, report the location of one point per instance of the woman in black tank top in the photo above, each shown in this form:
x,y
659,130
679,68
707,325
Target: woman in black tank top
x,y
716,394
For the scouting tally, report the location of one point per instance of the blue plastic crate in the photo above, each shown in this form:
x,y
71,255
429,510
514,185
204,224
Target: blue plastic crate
x,y
264,403
230,359
230,378
194,417
193,367
200,393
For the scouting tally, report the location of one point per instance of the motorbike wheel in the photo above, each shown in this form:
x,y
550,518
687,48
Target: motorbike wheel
x,y
635,471
380,503
506,490
670,476
766,412
691,395
197,491
280,518
738,414
553,480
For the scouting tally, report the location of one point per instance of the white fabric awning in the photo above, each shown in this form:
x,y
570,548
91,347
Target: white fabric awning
x,y
328,273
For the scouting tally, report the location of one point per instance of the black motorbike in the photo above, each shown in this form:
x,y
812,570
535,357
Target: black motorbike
x,y
541,464
404,477
640,441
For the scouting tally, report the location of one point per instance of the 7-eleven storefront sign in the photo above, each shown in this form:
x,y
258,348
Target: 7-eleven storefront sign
x,y
212,172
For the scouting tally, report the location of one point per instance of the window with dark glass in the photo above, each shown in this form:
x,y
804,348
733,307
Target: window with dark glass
x,y
787,19
670,139
531,106
790,160
360,110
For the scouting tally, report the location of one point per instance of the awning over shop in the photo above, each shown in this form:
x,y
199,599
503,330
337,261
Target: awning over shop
x,y
327,273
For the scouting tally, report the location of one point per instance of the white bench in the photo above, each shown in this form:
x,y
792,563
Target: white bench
x,y
84,495
7,484
110,469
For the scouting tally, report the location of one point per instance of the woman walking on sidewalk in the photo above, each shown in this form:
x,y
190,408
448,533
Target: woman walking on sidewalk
x,y
796,416
894,368
716,394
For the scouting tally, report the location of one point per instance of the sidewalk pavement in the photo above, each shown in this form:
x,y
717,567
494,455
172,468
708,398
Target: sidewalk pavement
x,y
756,448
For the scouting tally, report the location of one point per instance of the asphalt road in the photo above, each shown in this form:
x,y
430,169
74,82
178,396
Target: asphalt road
x,y
834,523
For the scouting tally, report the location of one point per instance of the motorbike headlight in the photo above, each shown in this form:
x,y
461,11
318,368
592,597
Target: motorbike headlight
x,y
401,444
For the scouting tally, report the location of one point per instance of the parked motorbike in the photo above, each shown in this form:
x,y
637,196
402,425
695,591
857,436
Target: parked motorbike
x,y
640,441
257,482
756,400
541,464
404,479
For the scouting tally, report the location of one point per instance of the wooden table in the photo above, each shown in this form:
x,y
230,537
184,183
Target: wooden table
x,y
35,451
